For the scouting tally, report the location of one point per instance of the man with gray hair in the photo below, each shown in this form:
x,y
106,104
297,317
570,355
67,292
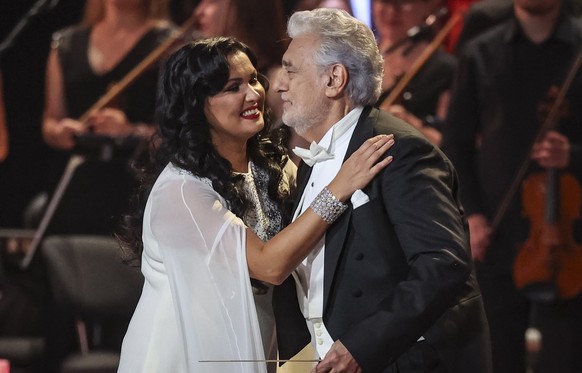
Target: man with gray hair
x,y
391,286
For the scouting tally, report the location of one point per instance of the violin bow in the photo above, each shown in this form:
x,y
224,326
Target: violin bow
x,y
139,69
421,60
77,160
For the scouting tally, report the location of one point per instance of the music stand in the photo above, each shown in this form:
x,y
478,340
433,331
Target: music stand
x,y
70,210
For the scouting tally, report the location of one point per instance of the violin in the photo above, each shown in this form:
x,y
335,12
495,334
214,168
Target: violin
x,y
548,265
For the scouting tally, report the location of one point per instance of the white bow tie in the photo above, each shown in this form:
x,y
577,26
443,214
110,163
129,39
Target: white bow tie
x,y
315,153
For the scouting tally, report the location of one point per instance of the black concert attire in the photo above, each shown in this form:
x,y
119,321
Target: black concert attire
x,y
399,286
482,15
104,187
83,86
503,80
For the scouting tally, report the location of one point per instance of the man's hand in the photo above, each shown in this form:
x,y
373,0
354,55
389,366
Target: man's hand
x,y
553,151
400,112
337,360
480,232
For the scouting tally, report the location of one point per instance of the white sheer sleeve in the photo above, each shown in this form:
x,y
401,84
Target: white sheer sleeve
x,y
202,247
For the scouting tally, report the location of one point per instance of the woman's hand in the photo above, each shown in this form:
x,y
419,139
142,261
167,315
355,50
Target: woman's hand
x,y
61,134
112,122
275,260
361,167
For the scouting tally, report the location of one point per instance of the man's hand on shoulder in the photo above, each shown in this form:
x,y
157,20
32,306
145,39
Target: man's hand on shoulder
x,y
338,360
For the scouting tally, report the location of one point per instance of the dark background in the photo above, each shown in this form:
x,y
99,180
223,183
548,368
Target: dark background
x,y
24,172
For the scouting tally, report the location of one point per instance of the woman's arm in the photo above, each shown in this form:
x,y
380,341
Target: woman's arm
x,y
274,260
57,130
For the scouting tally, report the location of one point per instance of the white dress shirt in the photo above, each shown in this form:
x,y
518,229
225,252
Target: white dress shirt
x,y
309,274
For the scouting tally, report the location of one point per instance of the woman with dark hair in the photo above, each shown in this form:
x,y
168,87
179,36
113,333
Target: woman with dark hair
x,y
212,214
263,31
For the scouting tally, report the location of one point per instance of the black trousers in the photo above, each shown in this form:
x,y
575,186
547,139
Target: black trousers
x,y
510,313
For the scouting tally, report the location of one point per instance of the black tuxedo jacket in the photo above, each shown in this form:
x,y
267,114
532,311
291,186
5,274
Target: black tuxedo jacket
x,y
398,267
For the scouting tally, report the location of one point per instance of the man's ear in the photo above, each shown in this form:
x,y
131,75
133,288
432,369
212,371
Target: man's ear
x,y
337,80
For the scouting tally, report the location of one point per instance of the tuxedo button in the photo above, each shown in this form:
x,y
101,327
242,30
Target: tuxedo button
x,y
359,256
319,341
317,325
318,333
357,293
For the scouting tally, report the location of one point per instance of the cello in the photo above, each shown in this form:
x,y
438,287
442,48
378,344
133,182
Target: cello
x,y
548,265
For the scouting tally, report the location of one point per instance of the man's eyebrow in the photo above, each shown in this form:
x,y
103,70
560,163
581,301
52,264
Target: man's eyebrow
x,y
286,63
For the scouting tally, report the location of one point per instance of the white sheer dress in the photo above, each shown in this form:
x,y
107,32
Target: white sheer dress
x,y
197,301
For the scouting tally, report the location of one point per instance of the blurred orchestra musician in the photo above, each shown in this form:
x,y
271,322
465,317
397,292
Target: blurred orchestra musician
x,y
514,134
482,15
403,33
86,60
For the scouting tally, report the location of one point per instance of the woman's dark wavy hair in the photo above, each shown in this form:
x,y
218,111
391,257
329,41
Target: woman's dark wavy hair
x,y
189,77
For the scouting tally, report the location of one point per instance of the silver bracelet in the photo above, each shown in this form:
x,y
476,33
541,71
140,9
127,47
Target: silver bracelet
x,y
327,206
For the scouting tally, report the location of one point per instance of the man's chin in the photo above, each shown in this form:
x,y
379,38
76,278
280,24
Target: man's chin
x,y
288,120
292,125
299,125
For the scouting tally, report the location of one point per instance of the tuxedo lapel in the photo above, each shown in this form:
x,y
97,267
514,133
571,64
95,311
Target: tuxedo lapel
x,y
336,234
303,174
363,131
